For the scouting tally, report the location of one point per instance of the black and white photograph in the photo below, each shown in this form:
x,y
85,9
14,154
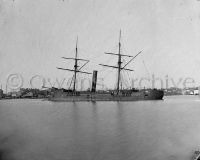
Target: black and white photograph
x,y
99,79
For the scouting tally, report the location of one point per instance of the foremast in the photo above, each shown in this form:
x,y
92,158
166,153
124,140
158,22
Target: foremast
x,y
76,67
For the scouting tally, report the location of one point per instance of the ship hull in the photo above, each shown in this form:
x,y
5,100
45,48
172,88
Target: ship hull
x,y
135,96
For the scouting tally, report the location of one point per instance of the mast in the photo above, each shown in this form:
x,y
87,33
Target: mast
x,y
119,64
75,65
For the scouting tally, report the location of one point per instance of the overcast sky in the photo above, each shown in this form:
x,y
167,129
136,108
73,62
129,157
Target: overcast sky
x,y
35,34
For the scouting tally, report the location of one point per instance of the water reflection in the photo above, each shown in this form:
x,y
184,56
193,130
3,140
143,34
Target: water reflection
x,y
99,131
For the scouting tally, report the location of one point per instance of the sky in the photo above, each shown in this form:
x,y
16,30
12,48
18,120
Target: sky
x,y
34,35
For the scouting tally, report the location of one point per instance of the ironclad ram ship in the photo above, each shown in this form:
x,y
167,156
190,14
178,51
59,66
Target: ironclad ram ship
x,y
113,95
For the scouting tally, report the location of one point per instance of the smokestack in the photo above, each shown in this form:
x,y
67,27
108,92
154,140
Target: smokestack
x,y
94,81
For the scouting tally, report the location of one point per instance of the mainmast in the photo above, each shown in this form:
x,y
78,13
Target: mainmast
x,y
76,69
119,66
75,65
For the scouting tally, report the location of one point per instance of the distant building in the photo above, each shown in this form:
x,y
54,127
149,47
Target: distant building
x,y
1,93
196,92
173,91
28,95
15,94
191,91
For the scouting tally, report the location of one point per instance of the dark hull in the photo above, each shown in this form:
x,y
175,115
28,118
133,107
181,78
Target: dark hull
x,y
134,96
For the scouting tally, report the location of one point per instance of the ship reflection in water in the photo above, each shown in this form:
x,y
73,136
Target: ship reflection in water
x,y
153,130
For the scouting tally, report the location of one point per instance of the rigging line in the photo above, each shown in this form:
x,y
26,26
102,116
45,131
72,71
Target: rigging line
x,y
124,78
146,69
129,79
83,65
71,82
124,81
78,70
132,59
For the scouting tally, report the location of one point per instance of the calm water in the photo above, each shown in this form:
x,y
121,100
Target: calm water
x,y
152,130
